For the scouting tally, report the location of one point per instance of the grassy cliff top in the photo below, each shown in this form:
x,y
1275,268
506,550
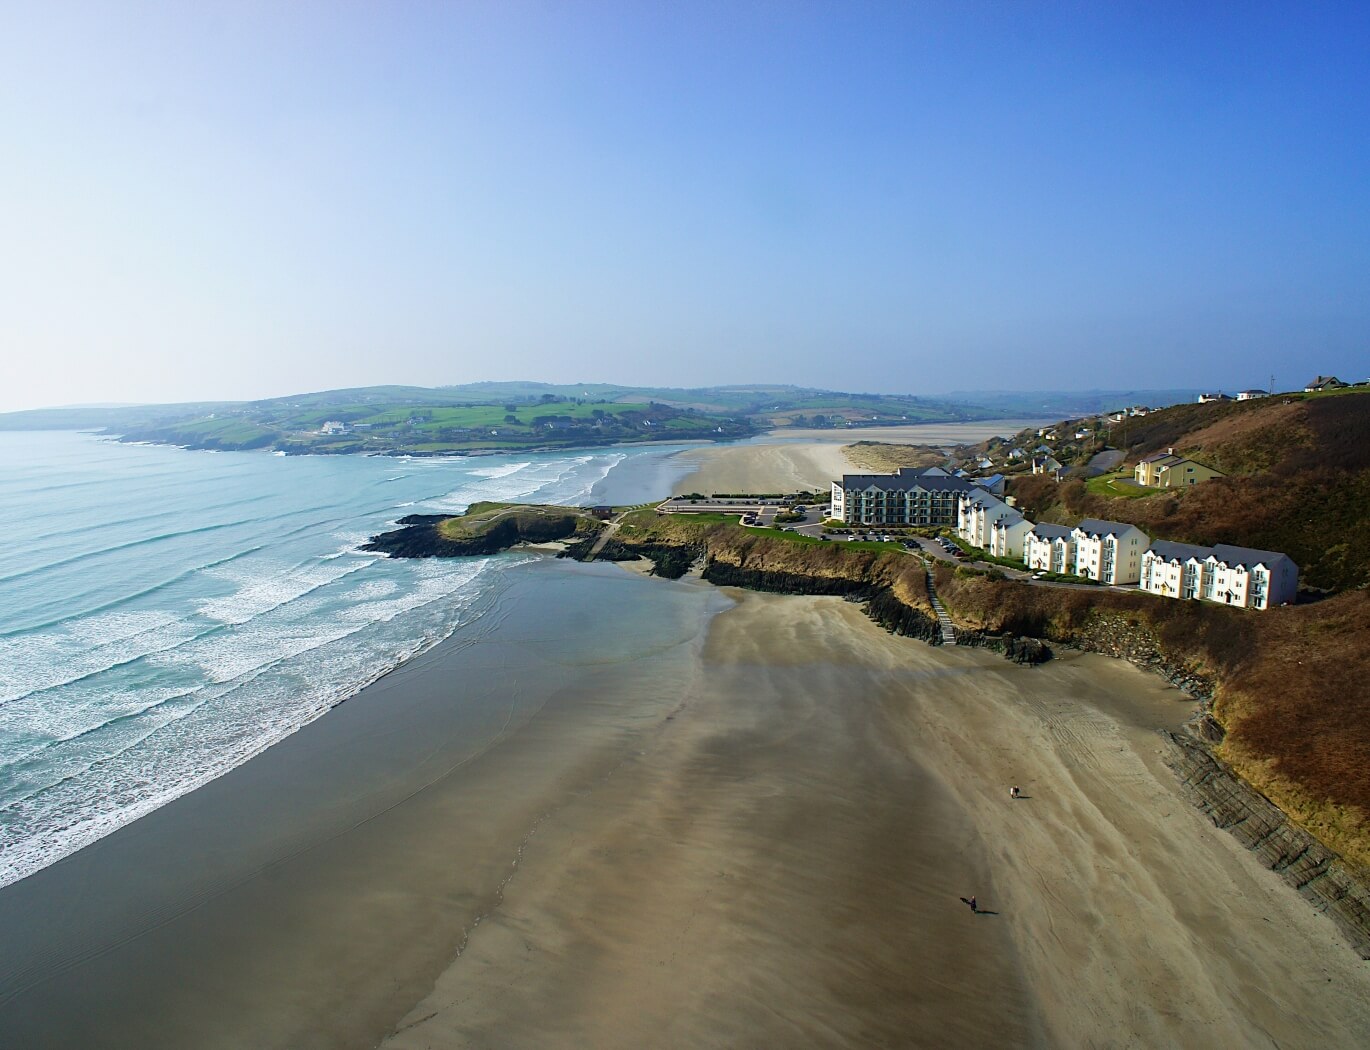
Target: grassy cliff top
x,y
528,518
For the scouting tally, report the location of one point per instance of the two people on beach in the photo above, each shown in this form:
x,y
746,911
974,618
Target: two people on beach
x,y
1013,792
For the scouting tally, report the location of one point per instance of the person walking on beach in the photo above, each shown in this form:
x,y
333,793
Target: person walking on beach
x,y
1013,792
971,902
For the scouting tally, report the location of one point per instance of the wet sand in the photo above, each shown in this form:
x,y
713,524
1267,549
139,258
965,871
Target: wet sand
x,y
780,865
617,817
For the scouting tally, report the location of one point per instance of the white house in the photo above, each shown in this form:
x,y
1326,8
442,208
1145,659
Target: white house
x,y
1109,551
1049,548
1240,576
977,512
1250,395
1008,535
333,426
1205,399
1046,465
1323,383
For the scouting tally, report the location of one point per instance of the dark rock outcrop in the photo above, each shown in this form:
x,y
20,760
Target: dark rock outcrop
x,y
1029,651
727,574
1124,638
419,536
1311,868
895,616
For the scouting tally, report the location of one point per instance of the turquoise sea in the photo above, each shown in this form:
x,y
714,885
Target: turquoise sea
x,y
166,614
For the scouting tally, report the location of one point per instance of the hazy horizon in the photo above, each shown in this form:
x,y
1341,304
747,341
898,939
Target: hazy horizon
x,y
235,202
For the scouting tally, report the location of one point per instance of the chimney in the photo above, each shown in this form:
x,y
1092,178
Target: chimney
x,y
1170,452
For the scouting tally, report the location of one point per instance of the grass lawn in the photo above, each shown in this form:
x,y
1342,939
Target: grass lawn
x,y
1118,485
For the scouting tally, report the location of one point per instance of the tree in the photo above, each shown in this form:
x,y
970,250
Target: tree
x,y
511,418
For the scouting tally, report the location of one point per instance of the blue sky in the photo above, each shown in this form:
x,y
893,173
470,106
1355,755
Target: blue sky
x,y
236,200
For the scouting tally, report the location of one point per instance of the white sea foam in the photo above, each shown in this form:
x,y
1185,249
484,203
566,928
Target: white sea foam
x,y
258,594
259,689
500,471
106,716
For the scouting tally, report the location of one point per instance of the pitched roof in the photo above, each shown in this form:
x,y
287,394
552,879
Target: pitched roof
x,y
932,479
1179,551
1047,531
984,497
1008,521
1249,556
1100,527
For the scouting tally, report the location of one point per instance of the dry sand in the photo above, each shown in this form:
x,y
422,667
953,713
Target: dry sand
x,y
780,861
764,468
915,433
813,459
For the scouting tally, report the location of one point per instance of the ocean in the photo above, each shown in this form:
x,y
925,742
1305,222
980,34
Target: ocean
x,y
167,614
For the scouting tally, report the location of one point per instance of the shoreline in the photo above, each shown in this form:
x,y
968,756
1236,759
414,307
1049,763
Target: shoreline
x,y
629,812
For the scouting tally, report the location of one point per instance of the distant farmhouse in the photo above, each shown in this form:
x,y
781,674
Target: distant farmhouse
x,y
1251,395
1206,399
1323,383
1165,470
1241,576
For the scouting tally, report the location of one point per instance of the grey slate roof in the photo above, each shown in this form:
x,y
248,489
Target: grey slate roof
x,y
1249,556
1179,551
1100,527
1224,552
931,479
1009,520
1051,532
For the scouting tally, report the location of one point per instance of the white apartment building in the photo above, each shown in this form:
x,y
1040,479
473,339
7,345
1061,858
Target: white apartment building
x,y
910,497
1109,551
977,512
1008,535
1240,576
1049,548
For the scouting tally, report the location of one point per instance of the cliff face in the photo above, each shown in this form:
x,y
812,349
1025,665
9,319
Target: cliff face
x,y
1316,872
894,585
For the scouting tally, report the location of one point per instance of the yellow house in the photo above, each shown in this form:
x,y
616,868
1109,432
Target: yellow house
x,y
1165,470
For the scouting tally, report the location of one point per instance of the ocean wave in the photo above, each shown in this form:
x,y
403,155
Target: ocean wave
x,y
267,616
192,738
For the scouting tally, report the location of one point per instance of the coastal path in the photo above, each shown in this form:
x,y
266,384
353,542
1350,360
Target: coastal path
x,y
943,620
604,537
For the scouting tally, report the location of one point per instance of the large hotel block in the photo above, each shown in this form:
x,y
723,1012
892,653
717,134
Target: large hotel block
x,y
911,497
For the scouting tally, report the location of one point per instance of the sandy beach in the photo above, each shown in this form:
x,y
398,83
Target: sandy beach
x,y
792,467
626,812
781,864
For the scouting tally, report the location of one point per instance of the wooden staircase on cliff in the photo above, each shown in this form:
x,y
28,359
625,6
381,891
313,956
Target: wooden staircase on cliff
x,y
943,620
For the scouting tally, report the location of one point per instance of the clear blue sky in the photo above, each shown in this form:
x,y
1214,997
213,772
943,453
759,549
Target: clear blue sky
x,y
202,200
